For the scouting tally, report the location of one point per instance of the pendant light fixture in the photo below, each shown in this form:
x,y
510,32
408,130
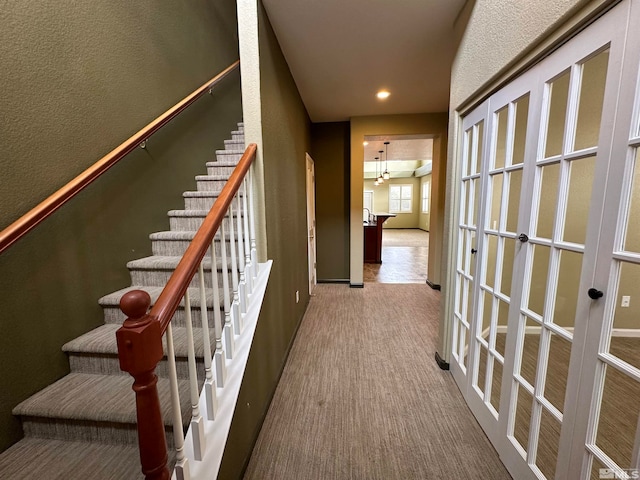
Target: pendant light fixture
x,y
386,174
380,178
377,182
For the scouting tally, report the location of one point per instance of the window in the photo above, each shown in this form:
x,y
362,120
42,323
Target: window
x,y
400,198
426,191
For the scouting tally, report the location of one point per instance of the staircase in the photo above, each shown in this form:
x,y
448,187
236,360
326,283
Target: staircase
x,y
84,425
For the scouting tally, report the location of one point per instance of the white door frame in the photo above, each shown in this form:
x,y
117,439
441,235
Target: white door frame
x,y
311,221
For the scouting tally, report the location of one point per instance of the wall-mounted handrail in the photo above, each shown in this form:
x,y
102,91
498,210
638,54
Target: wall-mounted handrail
x,y
33,217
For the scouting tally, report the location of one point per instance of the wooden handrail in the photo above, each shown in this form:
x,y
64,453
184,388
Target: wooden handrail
x,y
177,285
140,337
33,217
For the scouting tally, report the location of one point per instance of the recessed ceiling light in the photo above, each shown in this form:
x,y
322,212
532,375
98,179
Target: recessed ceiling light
x,y
365,143
382,94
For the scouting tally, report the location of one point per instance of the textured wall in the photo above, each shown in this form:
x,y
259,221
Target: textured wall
x,y
330,149
78,79
286,139
496,33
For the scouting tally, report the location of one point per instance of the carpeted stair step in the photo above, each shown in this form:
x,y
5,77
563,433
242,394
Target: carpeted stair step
x,y
112,314
191,220
234,145
211,183
220,168
238,135
36,458
96,352
229,155
176,243
199,200
155,271
94,408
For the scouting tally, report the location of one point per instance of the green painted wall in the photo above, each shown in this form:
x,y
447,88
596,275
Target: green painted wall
x,y
78,79
330,149
286,139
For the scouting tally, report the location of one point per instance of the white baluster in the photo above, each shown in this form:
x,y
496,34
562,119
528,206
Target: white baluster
x,y
197,423
209,381
228,327
221,366
252,224
235,304
182,463
248,268
242,286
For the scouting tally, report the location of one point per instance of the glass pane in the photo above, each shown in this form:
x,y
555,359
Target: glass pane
x,y
559,92
465,350
496,384
599,471
464,202
627,318
464,250
580,186
406,205
550,175
394,205
394,192
557,370
406,191
594,75
475,203
490,272
520,133
515,185
486,314
564,311
478,160
482,367
496,200
466,160
539,270
632,237
618,416
523,417
501,141
501,335
530,346
548,443
508,253
469,303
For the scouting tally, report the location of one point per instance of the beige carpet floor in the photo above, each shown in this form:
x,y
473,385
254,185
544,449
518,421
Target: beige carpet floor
x,y
361,397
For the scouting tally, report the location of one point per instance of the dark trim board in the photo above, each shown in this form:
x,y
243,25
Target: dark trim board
x,y
356,285
435,286
333,280
441,363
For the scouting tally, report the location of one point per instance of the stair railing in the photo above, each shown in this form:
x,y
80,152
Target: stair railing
x,y
40,212
140,347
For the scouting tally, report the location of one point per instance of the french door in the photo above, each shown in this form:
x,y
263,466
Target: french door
x,y
548,257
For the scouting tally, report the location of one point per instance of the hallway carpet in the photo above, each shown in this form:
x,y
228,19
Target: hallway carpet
x,y
361,397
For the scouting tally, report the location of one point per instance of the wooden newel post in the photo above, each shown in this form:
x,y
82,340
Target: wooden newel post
x,y
139,350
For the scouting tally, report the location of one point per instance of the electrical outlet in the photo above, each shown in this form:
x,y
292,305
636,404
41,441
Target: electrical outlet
x,y
626,300
297,296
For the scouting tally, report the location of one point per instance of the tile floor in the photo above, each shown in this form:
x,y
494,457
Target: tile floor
x,y
405,253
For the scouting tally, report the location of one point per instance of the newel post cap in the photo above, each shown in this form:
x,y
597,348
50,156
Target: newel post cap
x,y
139,339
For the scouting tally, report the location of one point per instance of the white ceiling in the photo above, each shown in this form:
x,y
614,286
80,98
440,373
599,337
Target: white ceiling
x,y
401,147
341,52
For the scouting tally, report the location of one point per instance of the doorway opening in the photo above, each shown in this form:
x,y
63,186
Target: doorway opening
x,y
396,213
